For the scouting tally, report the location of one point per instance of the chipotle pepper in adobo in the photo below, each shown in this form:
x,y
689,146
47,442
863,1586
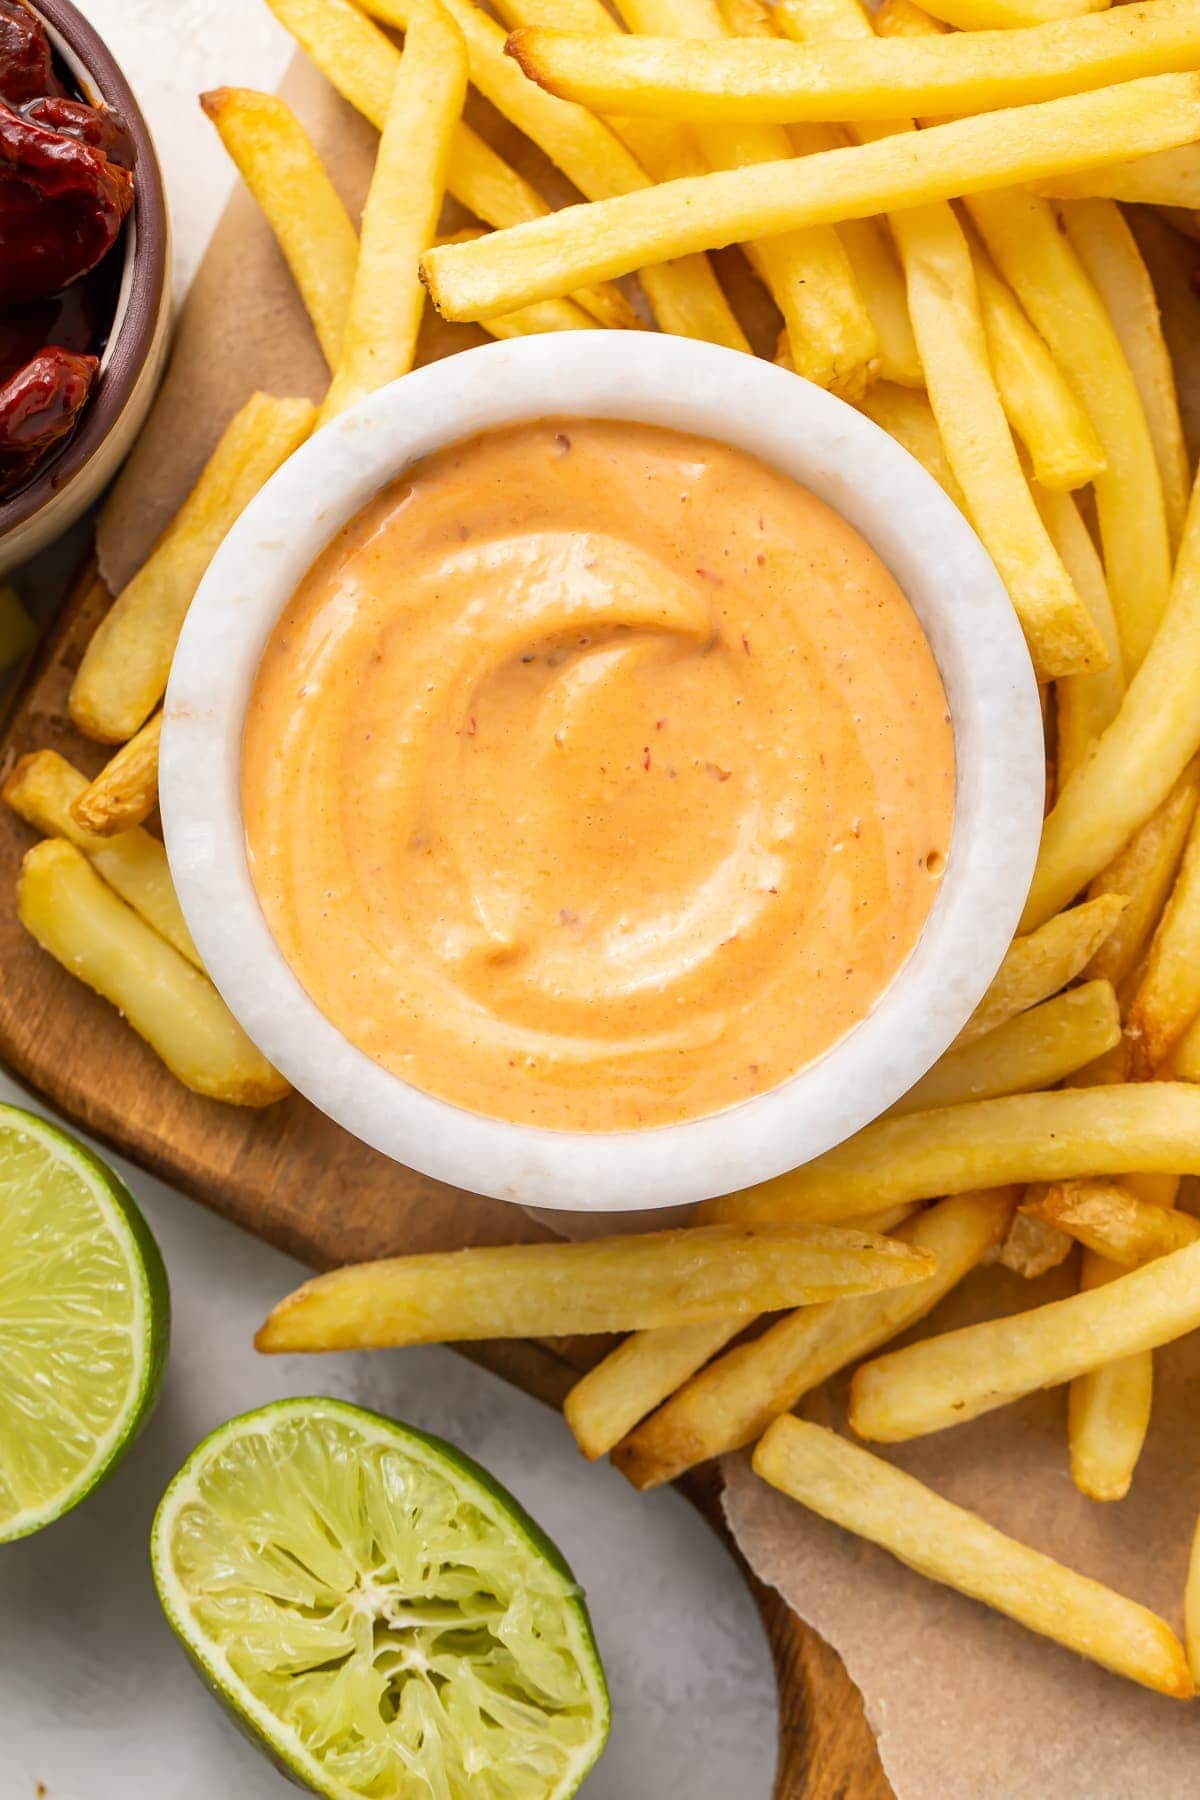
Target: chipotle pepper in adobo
x,y
66,189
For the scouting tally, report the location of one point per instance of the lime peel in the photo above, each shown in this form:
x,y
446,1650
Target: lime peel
x,y
377,1612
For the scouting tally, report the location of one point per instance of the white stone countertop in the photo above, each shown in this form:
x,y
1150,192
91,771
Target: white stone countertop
x,y
96,1700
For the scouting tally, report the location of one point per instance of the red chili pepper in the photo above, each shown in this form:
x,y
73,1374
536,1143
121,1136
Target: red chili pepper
x,y
26,65
62,205
38,409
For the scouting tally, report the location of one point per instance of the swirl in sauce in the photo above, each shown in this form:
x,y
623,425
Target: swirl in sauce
x,y
597,776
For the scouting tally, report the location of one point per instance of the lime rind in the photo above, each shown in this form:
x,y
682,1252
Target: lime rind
x,y
84,1322
383,1616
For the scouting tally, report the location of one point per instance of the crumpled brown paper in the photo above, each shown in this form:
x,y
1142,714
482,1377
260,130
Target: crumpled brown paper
x,y
965,1704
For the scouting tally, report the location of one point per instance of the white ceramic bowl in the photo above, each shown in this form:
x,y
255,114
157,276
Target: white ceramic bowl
x,y
849,463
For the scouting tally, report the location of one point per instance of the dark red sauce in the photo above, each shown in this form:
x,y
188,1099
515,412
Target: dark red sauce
x,y
66,189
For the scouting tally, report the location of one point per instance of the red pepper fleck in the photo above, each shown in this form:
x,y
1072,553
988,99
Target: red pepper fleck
x,y
707,575
468,729
745,643
660,724
563,441
717,772
646,757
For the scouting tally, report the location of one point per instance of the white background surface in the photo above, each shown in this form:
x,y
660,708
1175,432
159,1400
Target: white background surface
x,y
96,1701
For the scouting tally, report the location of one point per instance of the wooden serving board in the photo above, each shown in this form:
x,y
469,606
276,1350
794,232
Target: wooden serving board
x,y
292,1177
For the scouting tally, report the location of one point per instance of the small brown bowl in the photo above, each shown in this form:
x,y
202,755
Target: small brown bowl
x,y
132,363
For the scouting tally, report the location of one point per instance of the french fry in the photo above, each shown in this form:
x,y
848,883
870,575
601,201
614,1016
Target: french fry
x,y
1108,1408
950,1545
361,63
1114,1223
592,157
647,1366
1035,1049
1032,1247
733,1400
1172,178
830,332
742,80
1041,408
400,217
42,788
881,283
1185,1063
949,1379
547,315
1022,234
908,417
1039,964
18,633
1144,873
1168,994
1140,757
80,921
1108,251
665,150
984,1143
683,1277
1085,705
1006,15
123,675
547,257
125,792
279,164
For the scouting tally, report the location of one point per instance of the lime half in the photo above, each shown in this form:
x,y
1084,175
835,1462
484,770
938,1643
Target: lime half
x,y
84,1322
384,1618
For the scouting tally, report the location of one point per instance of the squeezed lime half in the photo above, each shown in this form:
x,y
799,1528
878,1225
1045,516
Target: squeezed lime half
x,y
84,1322
379,1613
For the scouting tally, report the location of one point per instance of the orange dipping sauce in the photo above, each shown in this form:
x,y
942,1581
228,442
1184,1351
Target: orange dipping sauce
x,y
597,776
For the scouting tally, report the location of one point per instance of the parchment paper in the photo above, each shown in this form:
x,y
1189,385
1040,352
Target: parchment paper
x,y
965,1704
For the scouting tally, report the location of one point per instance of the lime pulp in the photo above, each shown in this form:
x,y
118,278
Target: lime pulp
x,y
378,1612
84,1322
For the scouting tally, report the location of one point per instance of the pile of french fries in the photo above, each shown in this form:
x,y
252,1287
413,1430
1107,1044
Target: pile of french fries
x,y
931,205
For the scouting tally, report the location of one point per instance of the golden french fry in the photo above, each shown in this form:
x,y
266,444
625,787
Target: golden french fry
x,y
18,633
732,1402
683,1277
908,417
592,157
1042,409
614,237
400,217
125,792
865,1495
42,788
829,329
1168,993
1185,1062
361,63
1108,251
1042,962
1039,264
1033,1050
1140,757
949,1379
1032,1247
1144,872
1005,15
1108,1409
1085,705
123,675
547,315
743,80
1113,1222
279,164
79,920
984,1143
881,282
647,1366
1172,178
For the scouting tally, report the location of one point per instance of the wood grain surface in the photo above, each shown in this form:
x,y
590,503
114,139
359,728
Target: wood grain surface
x,y
295,1179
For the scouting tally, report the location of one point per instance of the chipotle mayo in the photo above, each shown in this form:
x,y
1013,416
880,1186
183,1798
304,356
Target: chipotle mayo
x,y
597,776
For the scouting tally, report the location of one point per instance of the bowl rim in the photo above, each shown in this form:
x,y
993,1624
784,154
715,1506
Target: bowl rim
x,y
849,462
144,266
